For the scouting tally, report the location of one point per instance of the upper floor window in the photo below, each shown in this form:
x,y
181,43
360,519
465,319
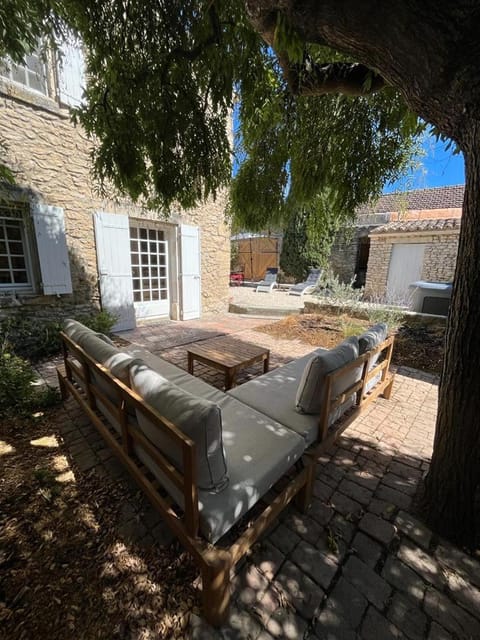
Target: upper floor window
x,y
31,73
58,75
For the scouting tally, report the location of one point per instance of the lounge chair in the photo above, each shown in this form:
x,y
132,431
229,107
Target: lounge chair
x,y
269,282
310,284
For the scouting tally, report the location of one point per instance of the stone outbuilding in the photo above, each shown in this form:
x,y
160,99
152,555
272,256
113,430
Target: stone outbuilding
x,y
409,251
63,248
402,238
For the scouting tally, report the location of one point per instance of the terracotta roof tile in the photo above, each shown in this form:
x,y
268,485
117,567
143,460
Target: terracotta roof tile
x,y
437,198
407,226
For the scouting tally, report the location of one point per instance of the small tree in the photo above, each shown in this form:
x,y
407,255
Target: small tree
x,y
298,251
309,235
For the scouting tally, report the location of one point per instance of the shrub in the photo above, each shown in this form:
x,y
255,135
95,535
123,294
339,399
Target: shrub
x,y
34,339
394,317
18,394
340,294
30,338
103,321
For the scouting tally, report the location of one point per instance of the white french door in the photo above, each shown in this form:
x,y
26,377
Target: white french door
x,y
149,258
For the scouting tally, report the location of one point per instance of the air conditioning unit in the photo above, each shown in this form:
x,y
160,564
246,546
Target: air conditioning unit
x,y
430,297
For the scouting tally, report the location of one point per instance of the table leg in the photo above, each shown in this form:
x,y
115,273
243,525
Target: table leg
x,y
229,379
190,363
266,363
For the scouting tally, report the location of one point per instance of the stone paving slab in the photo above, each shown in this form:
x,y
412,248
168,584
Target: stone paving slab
x,y
359,564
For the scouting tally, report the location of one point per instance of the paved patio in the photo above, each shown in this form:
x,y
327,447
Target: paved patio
x,y
359,565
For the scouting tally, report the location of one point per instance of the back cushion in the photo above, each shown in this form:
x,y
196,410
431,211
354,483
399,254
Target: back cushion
x,y
311,390
369,340
75,330
199,419
112,359
372,337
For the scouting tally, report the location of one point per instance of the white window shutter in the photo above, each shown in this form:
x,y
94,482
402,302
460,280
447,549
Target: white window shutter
x,y
190,276
52,249
112,237
71,73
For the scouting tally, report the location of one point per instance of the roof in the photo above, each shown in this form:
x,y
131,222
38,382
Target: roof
x,y
407,226
436,198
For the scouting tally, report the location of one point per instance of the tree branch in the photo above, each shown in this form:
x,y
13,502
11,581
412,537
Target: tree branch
x,y
312,79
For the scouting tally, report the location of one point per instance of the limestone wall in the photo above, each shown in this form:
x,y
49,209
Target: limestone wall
x,y
440,258
51,157
438,264
378,263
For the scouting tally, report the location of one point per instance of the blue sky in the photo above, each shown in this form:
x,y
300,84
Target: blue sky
x,y
439,167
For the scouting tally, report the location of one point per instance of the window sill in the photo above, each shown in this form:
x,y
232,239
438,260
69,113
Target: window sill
x,y
31,98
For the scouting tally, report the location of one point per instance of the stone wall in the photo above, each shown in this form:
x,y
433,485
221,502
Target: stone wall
x,y
438,265
378,263
440,258
344,254
50,156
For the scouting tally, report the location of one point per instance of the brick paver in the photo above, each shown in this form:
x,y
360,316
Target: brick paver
x,y
359,564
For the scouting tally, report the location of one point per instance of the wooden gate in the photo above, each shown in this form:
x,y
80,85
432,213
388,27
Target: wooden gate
x,y
256,255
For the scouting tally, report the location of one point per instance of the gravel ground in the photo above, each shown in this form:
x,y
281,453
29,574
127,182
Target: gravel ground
x,y
277,299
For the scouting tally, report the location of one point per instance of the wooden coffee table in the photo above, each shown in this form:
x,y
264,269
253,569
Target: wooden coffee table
x,y
229,355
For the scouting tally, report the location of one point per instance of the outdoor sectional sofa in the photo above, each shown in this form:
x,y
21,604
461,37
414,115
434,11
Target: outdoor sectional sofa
x,y
206,458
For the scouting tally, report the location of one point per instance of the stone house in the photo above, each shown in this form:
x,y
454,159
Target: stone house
x,y
65,250
402,238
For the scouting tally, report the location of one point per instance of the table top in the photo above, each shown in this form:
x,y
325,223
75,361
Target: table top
x,y
227,351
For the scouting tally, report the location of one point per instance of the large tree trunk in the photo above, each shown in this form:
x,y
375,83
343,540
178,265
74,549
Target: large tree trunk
x,y
454,478
429,51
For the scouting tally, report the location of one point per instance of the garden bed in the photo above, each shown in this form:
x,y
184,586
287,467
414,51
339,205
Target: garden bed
x,y
418,344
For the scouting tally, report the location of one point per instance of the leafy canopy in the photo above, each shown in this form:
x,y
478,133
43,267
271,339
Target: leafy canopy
x,y
163,81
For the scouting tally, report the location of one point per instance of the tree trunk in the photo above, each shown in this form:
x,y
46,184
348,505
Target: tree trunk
x,y
454,478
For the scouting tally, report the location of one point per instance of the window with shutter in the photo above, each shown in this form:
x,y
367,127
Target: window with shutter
x,y
71,73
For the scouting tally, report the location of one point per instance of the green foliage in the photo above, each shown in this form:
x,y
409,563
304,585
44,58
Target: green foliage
x,y
301,249
102,321
30,338
164,78
161,90
23,23
18,394
340,294
393,316
350,328
36,339
287,39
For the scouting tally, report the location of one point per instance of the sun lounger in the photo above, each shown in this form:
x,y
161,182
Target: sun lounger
x,y
310,284
269,282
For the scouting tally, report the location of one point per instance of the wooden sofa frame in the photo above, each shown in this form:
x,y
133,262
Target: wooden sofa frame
x,y
215,562
326,434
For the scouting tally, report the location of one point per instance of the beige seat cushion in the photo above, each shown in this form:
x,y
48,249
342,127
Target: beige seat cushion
x,y
274,394
258,451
